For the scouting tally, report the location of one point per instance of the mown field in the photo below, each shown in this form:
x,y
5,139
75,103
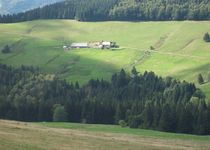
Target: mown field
x,y
179,48
71,136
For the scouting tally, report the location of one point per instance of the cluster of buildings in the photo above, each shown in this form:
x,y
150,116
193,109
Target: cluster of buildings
x,y
99,45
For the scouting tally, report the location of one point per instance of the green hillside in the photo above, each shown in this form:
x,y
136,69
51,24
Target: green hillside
x,y
179,48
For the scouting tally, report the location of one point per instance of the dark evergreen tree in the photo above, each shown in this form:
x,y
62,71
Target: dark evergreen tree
x,y
148,115
167,119
118,114
201,120
134,72
135,121
206,37
200,79
185,120
156,116
6,49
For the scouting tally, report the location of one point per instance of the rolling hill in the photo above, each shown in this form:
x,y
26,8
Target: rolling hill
x,y
179,48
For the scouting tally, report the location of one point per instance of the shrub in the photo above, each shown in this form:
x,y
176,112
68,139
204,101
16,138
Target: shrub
x,y
59,114
122,123
206,37
152,48
6,49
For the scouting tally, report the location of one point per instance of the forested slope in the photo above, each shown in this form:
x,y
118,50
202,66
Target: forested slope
x,y
17,6
138,100
132,10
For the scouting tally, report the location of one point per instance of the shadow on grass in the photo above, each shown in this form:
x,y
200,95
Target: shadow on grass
x,y
80,68
201,69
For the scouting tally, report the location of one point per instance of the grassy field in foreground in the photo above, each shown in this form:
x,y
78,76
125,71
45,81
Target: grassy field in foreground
x,y
68,136
179,48
129,131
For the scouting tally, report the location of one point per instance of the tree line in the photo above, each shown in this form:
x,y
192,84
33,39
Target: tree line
x,y
138,100
129,10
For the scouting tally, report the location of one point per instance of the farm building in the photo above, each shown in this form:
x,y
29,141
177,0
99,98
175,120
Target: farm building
x,y
101,45
79,45
107,45
94,44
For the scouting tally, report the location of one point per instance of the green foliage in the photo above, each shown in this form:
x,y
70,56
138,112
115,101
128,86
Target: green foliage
x,y
94,10
167,119
135,121
206,37
185,119
6,49
122,123
134,72
160,10
59,113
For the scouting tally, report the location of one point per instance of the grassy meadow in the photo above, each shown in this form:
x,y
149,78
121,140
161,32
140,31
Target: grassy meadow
x,y
179,48
122,130
63,136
